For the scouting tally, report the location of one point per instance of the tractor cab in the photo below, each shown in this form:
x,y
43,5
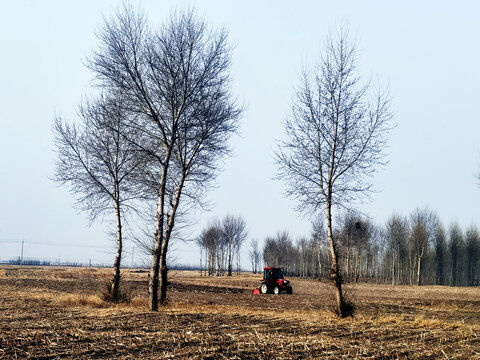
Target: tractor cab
x,y
274,282
272,274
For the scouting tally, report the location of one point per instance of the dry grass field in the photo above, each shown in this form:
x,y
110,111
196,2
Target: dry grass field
x,y
53,313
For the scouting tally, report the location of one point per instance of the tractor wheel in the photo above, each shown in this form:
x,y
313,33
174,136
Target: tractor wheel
x,y
263,288
276,290
289,290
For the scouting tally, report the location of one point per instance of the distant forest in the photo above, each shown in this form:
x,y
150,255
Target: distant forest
x,y
413,250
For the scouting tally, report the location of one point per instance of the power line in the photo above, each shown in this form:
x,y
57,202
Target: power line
x,y
53,244
67,245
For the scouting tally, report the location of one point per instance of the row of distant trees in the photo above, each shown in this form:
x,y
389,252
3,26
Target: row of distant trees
x,y
413,250
305,257
220,245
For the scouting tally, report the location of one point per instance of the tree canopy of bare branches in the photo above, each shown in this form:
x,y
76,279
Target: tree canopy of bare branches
x,y
222,241
335,139
176,82
397,233
212,241
424,225
254,255
234,232
354,239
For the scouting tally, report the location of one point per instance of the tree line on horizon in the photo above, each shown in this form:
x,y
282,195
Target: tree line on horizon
x,y
413,250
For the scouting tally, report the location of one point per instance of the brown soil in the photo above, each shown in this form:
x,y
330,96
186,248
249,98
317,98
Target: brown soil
x,y
53,313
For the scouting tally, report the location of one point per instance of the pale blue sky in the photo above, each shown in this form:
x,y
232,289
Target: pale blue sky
x,y
428,53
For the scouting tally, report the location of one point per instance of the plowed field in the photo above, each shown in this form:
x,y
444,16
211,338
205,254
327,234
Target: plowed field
x,y
53,313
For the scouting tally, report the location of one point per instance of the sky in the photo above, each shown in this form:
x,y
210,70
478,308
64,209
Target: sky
x,y
426,53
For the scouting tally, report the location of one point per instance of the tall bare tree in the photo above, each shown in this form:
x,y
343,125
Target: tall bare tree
x,y
234,232
176,80
99,165
254,256
336,138
355,239
472,239
424,224
280,251
397,234
318,242
211,240
440,255
456,249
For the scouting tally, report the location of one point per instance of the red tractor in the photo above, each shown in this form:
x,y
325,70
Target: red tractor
x,y
273,282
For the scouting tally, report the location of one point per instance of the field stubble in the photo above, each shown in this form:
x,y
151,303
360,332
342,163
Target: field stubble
x,y
49,313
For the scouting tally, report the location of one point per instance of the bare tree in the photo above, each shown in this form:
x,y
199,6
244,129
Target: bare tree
x,y
456,247
270,252
304,256
176,80
254,256
424,224
377,253
318,243
440,255
397,234
201,247
99,165
354,238
212,240
472,238
280,251
234,233
335,140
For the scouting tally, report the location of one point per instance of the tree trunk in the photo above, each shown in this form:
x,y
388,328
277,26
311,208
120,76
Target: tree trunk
x,y
319,259
166,240
153,276
118,256
163,272
358,266
393,267
334,268
238,261
347,265
229,257
418,269
155,269
440,263
419,264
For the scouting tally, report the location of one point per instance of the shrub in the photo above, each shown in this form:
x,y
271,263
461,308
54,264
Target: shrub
x,y
123,295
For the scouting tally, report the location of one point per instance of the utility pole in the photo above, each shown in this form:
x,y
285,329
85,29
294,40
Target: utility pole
x,y
21,257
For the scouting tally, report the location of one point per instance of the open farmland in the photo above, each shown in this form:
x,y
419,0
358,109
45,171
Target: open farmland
x,y
49,313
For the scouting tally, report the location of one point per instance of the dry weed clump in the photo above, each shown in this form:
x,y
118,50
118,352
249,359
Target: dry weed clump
x,y
123,296
76,300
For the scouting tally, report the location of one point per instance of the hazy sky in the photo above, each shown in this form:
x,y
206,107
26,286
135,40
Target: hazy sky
x,y
427,53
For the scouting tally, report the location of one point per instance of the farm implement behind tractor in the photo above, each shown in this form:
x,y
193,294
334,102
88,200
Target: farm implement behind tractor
x,y
273,282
